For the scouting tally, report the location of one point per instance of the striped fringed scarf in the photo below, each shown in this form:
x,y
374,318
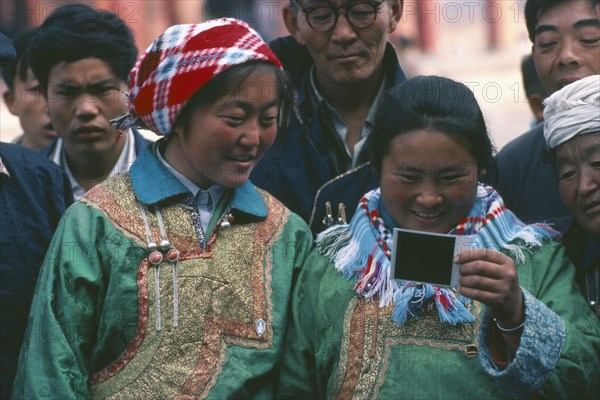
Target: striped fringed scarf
x,y
361,251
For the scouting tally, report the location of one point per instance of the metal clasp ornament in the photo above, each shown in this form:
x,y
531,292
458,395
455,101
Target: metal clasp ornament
x,y
328,220
227,219
341,214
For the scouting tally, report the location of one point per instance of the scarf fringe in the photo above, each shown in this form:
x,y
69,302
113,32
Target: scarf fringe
x,y
410,301
338,245
332,240
350,259
451,309
528,238
388,292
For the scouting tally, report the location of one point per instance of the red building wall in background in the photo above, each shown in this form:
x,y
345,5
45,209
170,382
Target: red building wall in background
x,y
149,18
146,18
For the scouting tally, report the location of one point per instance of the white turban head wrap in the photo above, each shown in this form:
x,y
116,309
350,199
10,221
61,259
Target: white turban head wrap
x,y
571,111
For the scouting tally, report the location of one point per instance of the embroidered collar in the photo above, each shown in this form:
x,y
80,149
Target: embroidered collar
x,y
360,251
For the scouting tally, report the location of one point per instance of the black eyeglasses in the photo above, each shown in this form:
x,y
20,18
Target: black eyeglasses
x,y
360,15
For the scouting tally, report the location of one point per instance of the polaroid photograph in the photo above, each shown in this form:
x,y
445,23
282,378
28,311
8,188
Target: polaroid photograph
x,y
427,257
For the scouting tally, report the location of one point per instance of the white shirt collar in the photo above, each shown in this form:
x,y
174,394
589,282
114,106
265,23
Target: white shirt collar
x,y
3,169
126,158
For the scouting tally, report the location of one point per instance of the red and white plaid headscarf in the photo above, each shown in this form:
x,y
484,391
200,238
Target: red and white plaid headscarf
x,y
180,62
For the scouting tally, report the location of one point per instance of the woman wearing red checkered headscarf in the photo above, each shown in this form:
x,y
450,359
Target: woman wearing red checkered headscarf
x,y
173,279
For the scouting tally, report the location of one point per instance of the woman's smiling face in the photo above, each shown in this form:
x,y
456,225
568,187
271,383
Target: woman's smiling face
x,y
225,139
428,180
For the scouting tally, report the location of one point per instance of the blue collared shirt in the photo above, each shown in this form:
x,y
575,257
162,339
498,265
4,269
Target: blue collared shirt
x,y
154,183
340,126
206,200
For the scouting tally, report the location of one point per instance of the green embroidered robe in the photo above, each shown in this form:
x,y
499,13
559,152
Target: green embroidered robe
x,y
345,347
92,328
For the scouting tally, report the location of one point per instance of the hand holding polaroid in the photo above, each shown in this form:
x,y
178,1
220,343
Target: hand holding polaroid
x,y
427,257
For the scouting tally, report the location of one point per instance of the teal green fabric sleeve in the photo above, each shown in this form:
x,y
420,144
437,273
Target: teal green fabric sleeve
x,y
559,352
310,335
57,357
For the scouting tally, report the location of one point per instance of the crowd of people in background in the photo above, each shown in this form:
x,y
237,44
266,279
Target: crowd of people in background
x,y
217,216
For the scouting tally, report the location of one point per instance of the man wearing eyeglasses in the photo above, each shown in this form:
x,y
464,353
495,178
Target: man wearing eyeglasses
x,y
339,61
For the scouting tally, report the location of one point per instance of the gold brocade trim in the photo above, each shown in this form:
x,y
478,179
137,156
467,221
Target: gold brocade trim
x,y
223,291
353,339
224,331
370,334
116,199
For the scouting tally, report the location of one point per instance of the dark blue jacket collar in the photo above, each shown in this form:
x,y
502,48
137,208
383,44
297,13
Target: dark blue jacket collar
x,y
153,183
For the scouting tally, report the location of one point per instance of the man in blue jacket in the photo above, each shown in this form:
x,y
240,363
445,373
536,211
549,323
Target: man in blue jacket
x,y
340,61
82,57
34,193
565,49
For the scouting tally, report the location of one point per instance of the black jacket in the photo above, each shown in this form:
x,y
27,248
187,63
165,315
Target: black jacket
x,y
32,201
528,183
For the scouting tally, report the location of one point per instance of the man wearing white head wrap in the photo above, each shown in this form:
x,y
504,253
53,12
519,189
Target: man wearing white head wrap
x,y
573,110
572,131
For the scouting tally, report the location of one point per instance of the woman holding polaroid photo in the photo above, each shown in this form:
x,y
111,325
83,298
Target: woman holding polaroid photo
x,y
516,325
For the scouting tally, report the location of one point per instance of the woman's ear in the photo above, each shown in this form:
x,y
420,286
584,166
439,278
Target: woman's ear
x,y
178,127
10,101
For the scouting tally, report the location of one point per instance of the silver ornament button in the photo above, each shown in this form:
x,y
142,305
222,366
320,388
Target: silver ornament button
x,y
260,327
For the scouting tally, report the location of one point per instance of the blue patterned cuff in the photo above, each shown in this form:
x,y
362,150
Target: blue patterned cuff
x,y
542,341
